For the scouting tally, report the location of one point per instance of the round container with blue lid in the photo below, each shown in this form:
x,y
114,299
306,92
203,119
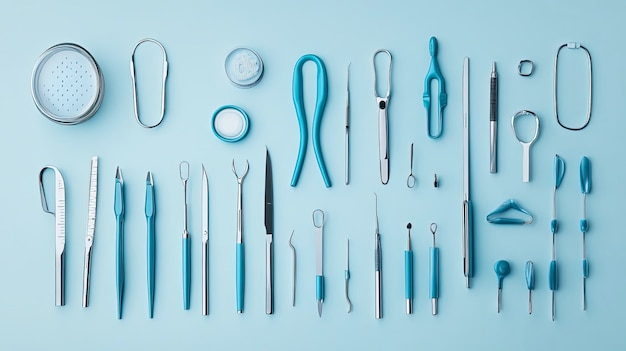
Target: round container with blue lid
x,y
244,67
230,123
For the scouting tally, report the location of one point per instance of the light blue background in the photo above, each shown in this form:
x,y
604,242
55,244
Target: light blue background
x,y
198,36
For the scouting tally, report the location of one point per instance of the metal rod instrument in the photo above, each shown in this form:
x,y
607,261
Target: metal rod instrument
x,y
467,204
118,209
553,282
347,128
318,223
585,188
150,211
408,273
269,235
347,275
293,270
205,242
91,228
183,168
493,120
378,269
434,271
240,274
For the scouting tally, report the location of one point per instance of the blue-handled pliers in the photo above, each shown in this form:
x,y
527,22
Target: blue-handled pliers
x,y
320,103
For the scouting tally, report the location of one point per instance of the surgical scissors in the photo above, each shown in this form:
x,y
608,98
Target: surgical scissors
x,y
59,219
183,168
572,45
434,73
320,103
164,78
383,122
240,252
525,144
319,258
410,180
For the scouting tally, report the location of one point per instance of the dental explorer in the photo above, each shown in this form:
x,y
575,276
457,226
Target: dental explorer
x,y
347,128
319,258
408,273
530,283
205,243
269,235
347,275
91,228
559,172
293,269
240,252
378,291
467,204
183,168
434,271
585,188
150,211
118,209
493,120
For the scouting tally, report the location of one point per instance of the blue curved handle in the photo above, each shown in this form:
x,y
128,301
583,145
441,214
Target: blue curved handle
x,y
530,275
585,175
509,204
559,170
434,73
240,277
434,273
319,287
320,103
186,272
553,281
408,274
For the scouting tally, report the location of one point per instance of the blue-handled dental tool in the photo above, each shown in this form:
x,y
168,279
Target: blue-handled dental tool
x,y
530,283
434,73
240,263
320,103
559,172
318,223
150,210
408,273
434,271
502,269
118,209
183,168
585,188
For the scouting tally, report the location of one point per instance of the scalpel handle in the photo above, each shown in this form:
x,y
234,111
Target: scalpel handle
x,y
467,242
269,274
383,141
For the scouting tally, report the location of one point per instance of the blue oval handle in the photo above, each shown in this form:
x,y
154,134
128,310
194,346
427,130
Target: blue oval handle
x,y
585,175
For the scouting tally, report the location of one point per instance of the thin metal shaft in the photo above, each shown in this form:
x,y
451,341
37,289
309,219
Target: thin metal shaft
x,y
499,299
347,128
293,271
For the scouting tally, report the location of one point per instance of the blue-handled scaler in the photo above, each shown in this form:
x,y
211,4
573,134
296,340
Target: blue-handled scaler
x,y
530,283
559,172
585,188
118,209
150,211
408,273
434,73
320,103
318,223
240,263
434,271
183,168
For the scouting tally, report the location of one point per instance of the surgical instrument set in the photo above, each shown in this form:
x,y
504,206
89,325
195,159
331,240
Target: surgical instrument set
x,y
408,273
525,144
240,263
502,269
434,271
318,223
383,123
530,283
134,81
572,45
91,228
67,84
269,235
150,211
118,209
585,188
467,204
205,242
59,219
347,129
183,168
434,72
320,103
493,120
410,180
347,275
378,269
553,282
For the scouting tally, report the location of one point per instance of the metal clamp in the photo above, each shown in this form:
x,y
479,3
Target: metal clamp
x,y
164,78
523,72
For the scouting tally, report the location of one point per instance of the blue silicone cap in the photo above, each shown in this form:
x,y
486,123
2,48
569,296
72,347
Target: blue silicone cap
x,y
230,123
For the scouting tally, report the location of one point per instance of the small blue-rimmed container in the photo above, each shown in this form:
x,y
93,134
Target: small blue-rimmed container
x,y
230,123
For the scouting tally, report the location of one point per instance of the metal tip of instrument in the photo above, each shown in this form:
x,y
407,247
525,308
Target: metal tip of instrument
x,y
530,302
553,307
408,243
319,307
434,306
118,174
493,68
499,299
149,179
467,282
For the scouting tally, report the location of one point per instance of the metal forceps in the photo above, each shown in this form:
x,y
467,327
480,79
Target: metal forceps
x,y
571,45
320,103
434,73
383,123
59,218
318,223
525,144
183,168
132,76
240,252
